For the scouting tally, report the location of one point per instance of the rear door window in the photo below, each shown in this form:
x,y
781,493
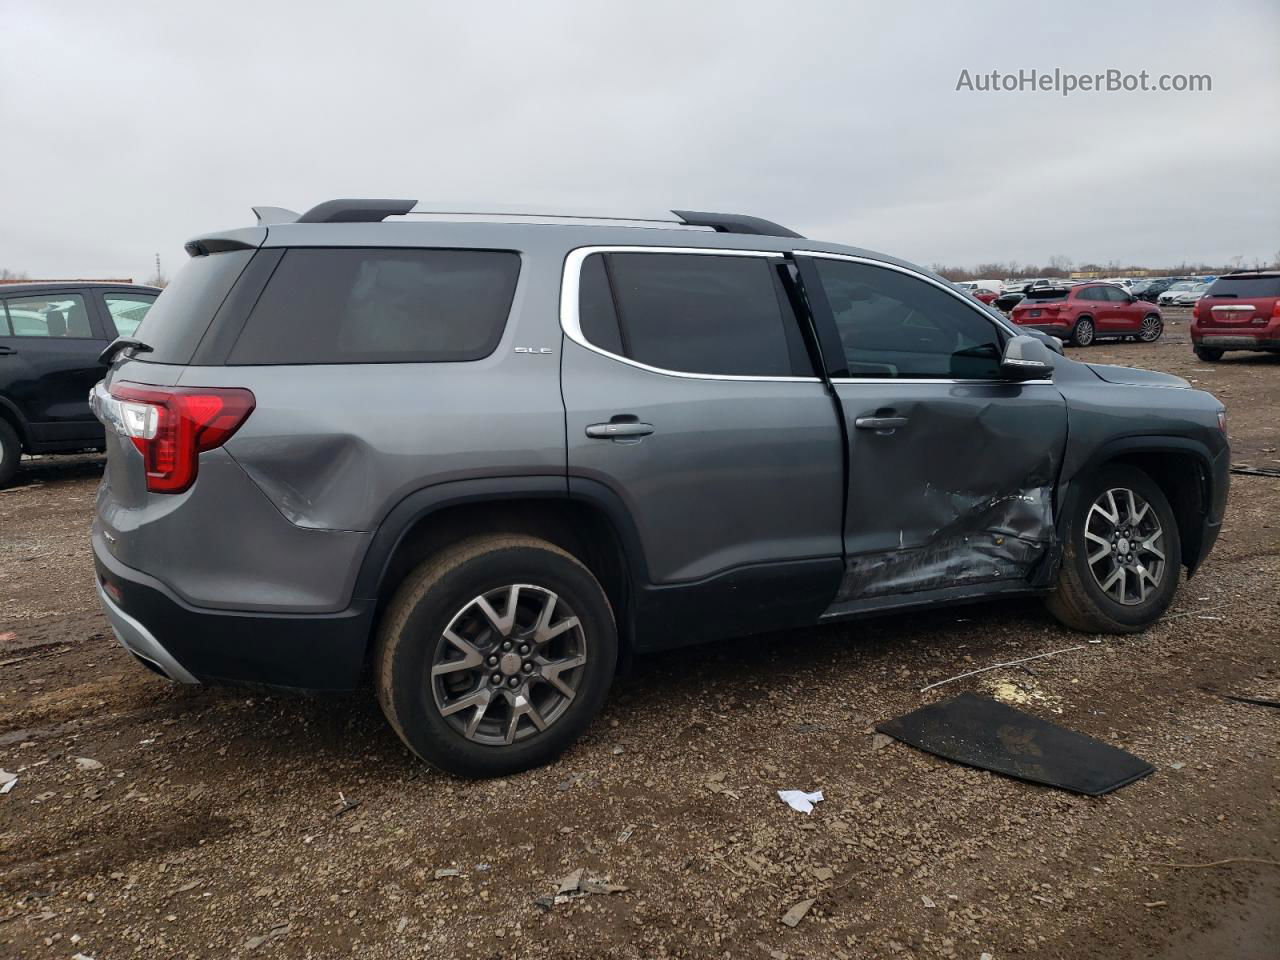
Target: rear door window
x,y
59,315
378,305
712,314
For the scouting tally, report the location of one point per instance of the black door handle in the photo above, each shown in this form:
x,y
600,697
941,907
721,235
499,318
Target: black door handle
x,y
880,423
7,351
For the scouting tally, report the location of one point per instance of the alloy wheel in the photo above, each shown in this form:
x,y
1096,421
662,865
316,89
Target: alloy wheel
x,y
1124,546
1151,329
1084,333
509,664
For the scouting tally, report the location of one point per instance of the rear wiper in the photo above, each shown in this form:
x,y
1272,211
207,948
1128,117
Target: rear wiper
x,y
122,343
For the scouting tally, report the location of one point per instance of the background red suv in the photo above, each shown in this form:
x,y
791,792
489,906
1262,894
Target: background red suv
x,y
1088,312
1241,311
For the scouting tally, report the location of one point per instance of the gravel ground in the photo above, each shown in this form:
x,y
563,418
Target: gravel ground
x,y
155,821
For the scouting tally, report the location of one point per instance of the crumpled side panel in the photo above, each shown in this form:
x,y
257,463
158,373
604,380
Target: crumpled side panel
x,y
992,539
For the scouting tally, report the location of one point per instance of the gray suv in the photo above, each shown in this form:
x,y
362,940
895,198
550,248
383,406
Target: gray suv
x,y
486,458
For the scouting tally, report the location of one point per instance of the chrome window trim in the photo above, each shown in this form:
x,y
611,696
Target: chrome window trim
x,y
571,325
989,383
967,301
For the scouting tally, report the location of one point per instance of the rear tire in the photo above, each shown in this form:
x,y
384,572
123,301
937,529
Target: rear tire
x,y
495,697
1084,332
1209,354
1090,596
10,453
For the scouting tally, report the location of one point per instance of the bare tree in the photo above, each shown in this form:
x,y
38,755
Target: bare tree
x,y
10,276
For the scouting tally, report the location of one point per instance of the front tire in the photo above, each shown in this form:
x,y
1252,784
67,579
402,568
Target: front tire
x,y
10,453
1121,560
1209,354
1084,332
1152,328
495,655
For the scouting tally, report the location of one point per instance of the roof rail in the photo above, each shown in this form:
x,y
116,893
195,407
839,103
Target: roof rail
x,y
374,211
735,223
356,211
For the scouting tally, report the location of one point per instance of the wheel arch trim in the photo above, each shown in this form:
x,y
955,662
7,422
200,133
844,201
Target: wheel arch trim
x,y
422,503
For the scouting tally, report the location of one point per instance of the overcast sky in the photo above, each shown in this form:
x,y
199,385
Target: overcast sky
x,y
132,126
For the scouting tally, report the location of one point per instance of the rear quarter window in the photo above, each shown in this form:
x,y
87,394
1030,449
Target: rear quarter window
x,y
182,313
378,305
1245,288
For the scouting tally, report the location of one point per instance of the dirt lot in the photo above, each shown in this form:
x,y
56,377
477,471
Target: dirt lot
x,y
220,823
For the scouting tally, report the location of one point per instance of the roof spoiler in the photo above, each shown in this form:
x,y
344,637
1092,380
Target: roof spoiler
x,y
375,211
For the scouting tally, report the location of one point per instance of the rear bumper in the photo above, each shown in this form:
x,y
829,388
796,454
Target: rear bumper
x,y
1235,341
1060,330
199,645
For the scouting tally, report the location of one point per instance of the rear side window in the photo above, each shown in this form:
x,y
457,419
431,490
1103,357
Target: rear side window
x,y
693,313
62,315
1046,294
1245,287
378,305
181,315
127,310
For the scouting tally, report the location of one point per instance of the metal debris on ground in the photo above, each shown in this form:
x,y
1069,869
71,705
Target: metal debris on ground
x,y
997,666
1256,701
1249,471
575,885
448,872
344,805
797,912
800,800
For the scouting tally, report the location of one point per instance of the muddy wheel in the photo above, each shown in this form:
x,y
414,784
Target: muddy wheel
x,y
10,453
495,655
1209,354
1152,327
1122,557
1083,333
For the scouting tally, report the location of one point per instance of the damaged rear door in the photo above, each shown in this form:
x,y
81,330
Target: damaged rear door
x,y
950,466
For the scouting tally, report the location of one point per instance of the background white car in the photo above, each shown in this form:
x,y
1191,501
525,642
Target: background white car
x,y
1185,298
1182,286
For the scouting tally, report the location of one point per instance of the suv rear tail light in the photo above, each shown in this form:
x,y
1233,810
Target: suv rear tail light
x,y
171,426
1195,311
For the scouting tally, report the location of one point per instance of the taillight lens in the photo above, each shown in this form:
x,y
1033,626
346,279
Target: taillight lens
x,y
171,426
1195,311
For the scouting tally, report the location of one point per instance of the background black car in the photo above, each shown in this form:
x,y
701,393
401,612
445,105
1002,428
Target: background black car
x,y
1153,288
50,337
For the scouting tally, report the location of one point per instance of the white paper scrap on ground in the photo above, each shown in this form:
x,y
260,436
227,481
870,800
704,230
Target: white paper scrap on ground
x,y
800,800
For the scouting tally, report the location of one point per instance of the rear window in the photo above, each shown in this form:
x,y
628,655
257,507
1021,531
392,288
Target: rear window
x,y
1245,287
182,313
1044,294
378,305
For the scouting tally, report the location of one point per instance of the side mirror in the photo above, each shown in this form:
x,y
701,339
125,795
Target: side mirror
x,y
1026,358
